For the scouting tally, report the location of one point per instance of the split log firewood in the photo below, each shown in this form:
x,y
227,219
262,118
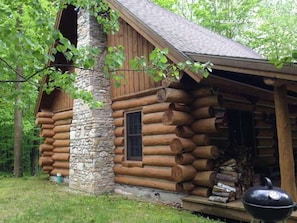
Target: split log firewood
x,y
45,147
157,150
151,172
45,161
147,182
203,164
158,107
179,145
47,133
61,143
183,172
44,114
226,177
203,112
201,139
152,118
184,131
157,129
41,120
207,125
134,102
63,172
201,191
61,156
174,95
171,117
213,101
184,158
205,178
61,128
218,199
158,160
207,152
63,115
61,164
157,140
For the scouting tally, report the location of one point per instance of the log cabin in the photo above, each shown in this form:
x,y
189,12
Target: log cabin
x,y
190,137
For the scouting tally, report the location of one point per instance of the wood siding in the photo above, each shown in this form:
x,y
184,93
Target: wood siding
x,y
134,45
61,101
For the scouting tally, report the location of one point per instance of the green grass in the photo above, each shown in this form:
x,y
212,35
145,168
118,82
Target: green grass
x,y
35,199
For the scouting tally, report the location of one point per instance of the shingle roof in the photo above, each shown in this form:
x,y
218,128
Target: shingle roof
x,y
184,35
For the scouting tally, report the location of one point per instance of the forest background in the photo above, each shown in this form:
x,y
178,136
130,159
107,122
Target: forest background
x,y
27,33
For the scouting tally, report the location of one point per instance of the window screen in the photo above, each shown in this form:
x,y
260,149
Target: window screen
x,y
134,136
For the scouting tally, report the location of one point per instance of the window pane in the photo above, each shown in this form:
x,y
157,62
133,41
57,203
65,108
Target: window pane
x,y
134,136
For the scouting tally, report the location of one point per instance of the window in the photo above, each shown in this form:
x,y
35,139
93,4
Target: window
x,y
133,136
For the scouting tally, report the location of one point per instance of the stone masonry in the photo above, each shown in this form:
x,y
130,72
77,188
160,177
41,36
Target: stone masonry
x,y
91,133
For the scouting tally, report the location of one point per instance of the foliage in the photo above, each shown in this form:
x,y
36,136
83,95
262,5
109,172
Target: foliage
x,y
35,199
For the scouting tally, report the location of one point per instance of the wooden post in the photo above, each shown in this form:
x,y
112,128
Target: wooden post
x,y
286,156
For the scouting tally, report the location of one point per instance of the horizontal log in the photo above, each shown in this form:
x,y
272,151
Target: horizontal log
x,y
47,169
186,186
118,114
118,122
171,83
201,191
49,141
174,95
119,141
157,140
118,159
147,182
138,94
184,158
119,131
63,172
63,122
203,112
265,132
63,115
62,128
202,92
62,135
171,117
62,150
182,173
179,107
158,160
61,156
61,164
41,120
47,126
61,143
207,125
158,107
152,118
179,145
151,172
134,102
45,161
44,114
207,152
157,150
47,133
119,150
45,147
201,139
184,131
266,142
157,129
205,178
47,153
208,101
203,164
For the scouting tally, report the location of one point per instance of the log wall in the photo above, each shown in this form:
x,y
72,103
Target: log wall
x,y
55,150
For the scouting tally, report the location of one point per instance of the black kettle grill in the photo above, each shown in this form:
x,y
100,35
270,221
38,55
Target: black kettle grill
x,y
267,203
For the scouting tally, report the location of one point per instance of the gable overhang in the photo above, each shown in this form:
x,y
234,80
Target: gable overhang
x,y
154,38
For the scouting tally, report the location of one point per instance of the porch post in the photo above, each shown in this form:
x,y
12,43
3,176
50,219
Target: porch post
x,y
284,134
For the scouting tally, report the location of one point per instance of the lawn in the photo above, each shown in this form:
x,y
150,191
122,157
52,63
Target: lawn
x,y
35,199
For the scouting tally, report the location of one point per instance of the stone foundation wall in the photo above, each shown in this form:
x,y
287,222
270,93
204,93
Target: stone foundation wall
x,y
91,133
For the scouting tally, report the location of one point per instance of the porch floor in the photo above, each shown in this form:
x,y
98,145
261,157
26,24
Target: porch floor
x,y
232,210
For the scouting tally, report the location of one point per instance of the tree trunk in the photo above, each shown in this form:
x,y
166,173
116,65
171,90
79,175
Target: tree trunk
x,y
18,128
